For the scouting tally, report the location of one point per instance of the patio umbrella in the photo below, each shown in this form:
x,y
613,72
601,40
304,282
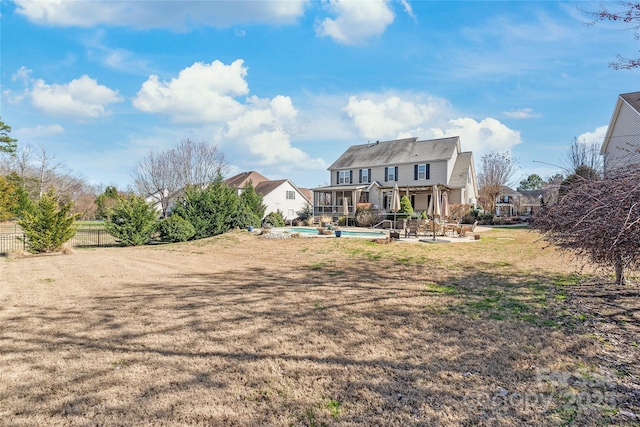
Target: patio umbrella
x,y
345,209
434,207
395,201
445,205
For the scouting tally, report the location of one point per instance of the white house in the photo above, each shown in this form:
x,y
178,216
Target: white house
x,y
621,145
368,173
280,194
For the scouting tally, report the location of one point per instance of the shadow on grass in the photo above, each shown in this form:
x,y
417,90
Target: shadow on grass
x,y
392,344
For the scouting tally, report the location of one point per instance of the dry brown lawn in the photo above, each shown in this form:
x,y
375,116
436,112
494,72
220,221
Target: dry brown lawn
x,y
243,331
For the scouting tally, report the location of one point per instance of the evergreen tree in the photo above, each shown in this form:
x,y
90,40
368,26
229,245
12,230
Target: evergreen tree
x,y
253,200
7,144
212,210
405,205
131,221
49,225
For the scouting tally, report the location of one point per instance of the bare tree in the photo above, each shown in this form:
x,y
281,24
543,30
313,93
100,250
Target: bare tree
x,y
496,171
39,170
156,178
197,163
164,176
598,220
584,154
629,16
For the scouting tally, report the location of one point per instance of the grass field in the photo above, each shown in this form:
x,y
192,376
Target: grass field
x,y
239,330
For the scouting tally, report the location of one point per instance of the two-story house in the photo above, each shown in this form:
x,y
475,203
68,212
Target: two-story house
x,y
368,173
621,145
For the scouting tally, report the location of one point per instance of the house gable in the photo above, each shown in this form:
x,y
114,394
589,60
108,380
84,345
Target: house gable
x,y
621,145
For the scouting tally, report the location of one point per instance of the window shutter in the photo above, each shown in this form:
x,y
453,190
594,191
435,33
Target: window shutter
x,y
426,170
369,176
386,174
396,173
337,177
360,180
350,177
415,172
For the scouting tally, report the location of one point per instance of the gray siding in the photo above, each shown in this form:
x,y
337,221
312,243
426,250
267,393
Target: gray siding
x,y
623,148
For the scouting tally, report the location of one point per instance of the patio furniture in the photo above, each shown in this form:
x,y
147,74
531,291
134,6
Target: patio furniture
x,y
412,228
464,229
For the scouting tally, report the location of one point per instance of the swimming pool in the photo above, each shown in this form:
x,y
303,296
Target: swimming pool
x,y
345,233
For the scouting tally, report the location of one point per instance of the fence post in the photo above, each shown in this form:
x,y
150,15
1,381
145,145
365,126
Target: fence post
x,y
99,238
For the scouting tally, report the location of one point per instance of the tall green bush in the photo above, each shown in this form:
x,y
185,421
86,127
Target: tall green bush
x,y
131,221
212,210
253,201
405,205
49,224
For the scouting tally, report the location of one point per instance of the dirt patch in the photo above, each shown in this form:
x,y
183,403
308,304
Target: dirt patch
x,y
241,330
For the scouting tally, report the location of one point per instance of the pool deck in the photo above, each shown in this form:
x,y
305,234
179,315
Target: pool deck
x,y
421,239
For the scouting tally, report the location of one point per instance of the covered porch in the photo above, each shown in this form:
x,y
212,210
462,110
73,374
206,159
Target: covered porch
x,y
331,200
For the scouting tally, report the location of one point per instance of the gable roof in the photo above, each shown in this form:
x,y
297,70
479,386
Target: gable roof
x,y
267,187
633,100
398,151
242,178
306,193
460,172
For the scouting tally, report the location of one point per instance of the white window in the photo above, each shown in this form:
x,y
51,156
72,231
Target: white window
x,y
291,195
344,177
391,174
422,171
365,175
291,213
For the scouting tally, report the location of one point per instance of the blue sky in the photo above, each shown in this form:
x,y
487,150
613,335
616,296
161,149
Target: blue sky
x,y
285,87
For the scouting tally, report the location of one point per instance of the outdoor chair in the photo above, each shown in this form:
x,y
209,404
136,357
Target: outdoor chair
x,y
464,229
412,228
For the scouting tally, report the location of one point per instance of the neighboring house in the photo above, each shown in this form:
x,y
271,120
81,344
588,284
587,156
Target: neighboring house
x,y
508,202
621,146
524,202
280,195
367,173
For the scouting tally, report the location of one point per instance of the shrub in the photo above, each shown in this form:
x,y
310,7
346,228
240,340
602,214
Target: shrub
x,y
486,218
405,205
306,212
213,210
131,221
175,229
275,219
49,224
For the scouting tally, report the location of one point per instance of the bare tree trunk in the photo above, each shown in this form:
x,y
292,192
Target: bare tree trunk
x,y
620,277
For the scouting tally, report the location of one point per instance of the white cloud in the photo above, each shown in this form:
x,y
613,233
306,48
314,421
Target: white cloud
x,y
521,113
356,21
23,74
480,137
201,93
388,116
177,15
81,98
262,133
595,137
38,131
255,129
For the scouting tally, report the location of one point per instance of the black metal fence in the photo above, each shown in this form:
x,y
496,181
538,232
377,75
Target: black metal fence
x,y
10,242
